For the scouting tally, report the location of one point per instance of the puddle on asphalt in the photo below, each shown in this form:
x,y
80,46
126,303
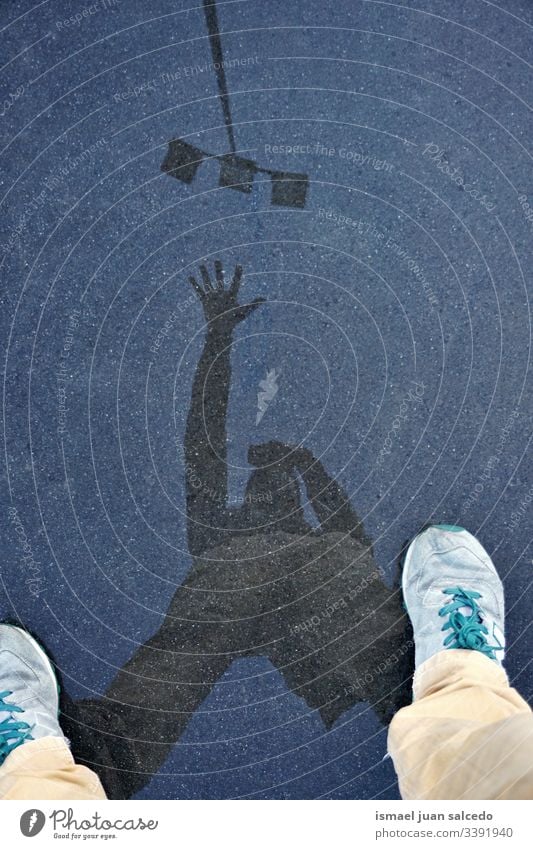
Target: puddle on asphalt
x,y
263,583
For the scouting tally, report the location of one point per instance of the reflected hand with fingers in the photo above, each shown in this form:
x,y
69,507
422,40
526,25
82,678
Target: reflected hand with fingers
x,y
220,302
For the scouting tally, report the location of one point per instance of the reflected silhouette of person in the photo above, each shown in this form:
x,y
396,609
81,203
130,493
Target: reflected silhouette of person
x,y
263,583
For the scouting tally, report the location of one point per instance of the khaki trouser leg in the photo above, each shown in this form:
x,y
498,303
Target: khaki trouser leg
x,y
467,735
45,769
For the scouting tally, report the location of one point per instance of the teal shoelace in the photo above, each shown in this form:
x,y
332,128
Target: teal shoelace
x,y
12,732
467,631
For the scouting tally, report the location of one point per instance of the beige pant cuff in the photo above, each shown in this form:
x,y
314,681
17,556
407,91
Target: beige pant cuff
x,y
457,665
45,769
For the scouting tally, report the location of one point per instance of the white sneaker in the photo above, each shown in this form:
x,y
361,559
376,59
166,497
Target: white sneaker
x,y
29,693
453,594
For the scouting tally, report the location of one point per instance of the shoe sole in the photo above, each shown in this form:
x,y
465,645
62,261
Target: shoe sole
x,y
35,645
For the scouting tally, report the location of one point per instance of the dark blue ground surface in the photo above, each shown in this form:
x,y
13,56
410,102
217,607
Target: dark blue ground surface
x,y
429,291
